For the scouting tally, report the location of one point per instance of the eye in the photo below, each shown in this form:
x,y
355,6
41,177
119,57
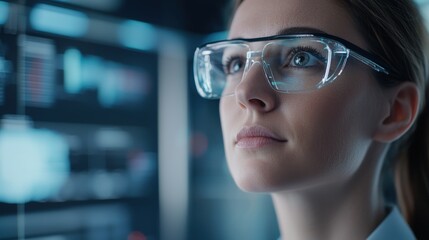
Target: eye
x,y
304,59
233,65
301,59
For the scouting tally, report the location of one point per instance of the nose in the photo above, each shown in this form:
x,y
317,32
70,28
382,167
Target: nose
x,y
254,92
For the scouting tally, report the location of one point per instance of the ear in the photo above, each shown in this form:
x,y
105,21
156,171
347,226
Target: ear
x,y
403,109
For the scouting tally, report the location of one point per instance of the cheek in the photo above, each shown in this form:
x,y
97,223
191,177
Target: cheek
x,y
334,129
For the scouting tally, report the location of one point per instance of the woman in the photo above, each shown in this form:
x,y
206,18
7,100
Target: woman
x,y
315,97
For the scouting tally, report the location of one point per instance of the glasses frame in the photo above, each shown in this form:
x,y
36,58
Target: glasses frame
x,y
354,51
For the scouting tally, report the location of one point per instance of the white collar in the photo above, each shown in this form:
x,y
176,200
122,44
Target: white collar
x,y
393,227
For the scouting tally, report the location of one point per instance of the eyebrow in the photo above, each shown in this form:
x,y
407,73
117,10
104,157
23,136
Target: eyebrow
x,y
293,30
299,30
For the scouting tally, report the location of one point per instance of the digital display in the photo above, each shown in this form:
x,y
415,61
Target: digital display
x,y
78,126
38,71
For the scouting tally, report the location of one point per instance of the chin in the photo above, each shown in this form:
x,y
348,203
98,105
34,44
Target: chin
x,y
259,183
249,186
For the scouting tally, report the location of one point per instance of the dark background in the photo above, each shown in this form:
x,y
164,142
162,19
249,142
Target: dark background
x,y
194,16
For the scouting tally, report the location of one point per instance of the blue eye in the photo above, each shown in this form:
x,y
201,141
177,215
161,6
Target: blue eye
x,y
304,59
233,65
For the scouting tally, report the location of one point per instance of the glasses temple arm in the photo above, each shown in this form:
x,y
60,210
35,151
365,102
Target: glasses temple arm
x,y
377,67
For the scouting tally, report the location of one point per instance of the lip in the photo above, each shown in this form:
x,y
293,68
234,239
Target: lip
x,y
256,136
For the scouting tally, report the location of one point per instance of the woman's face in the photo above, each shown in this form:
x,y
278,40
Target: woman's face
x,y
276,141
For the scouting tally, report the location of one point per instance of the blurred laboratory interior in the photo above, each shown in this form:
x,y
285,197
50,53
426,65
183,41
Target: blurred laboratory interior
x,y
102,133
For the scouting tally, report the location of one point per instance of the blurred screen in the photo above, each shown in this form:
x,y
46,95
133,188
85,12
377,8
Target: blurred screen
x,y
78,133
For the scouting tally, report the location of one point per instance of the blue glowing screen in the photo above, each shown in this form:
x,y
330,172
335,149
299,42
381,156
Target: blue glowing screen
x,y
33,164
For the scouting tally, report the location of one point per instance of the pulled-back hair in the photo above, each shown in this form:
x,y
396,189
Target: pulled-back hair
x,y
395,32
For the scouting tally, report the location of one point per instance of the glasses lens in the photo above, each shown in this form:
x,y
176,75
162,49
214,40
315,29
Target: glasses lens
x,y
218,68
291,65
298,64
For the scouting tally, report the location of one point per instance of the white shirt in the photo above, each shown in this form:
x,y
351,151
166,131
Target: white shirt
x,y
393,227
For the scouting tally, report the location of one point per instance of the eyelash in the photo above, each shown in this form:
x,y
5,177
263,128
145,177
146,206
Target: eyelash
x,y
307,49
228,61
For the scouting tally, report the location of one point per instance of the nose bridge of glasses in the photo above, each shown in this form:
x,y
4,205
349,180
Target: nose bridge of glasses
x,y
256,58
252,57
254,54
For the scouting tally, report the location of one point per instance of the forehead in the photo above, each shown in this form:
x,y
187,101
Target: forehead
x,y
260,18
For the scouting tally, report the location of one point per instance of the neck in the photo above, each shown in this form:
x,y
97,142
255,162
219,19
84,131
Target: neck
x,y
349,209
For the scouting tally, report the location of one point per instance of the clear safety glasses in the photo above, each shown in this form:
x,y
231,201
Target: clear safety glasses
x,y
291,63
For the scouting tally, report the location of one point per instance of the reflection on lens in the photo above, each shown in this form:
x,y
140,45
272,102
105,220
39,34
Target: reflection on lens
x,y
297,64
